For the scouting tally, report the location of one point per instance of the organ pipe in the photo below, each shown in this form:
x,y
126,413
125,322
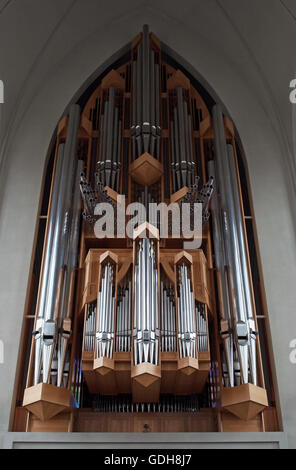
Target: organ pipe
x,y
90,328
147,337
105,313
109,162
183,164
231,223
201,328
123,327
146,328
186,313
60,258
91,197
168,319
146,131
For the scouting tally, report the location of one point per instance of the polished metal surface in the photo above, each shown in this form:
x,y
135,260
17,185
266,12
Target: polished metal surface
x,y
109,161
51,355
145,130
105,314
186,314
230,246
168,318
146,328
123,327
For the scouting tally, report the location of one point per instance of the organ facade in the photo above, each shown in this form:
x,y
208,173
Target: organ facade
x,y
146,330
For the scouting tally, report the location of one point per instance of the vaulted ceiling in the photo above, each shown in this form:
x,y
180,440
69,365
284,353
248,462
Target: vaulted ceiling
x,y
256,37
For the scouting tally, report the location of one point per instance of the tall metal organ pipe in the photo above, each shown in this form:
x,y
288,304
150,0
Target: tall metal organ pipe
x,y
235,250
105,314
109,162
145,131
245,272
168,319
186,314
123,325
201,328
146,327
57,247
183,165
90,328
70,263
220,261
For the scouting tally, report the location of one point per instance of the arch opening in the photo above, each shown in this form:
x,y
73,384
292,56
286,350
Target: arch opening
x,y
140,327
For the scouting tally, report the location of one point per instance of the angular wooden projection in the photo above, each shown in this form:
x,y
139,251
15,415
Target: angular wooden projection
x,y
106,381
46,401
179,195
188,365
245,401
91,272
146,170
146,230
112,194
187,377
146,383
108,256
184,257
104,365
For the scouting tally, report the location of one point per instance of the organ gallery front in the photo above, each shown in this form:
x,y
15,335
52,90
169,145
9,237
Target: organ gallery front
x,y
138,326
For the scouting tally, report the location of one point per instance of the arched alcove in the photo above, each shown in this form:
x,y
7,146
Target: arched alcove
x,y
197,93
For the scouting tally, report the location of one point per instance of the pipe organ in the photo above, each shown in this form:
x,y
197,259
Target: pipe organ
x,y
140,324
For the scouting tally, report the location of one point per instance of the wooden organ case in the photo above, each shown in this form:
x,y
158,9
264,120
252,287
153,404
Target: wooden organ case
x,y
137,333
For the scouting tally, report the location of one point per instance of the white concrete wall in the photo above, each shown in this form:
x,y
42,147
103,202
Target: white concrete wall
x,y
223,45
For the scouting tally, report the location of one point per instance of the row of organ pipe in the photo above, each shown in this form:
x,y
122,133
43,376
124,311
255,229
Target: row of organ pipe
x,y
201,328
109,160
145,134
182,329
51,338
105,318
237,311
146,328
168,319
55,301
91,197
186,313
166,404
123,327
145,131
183,158
147,304
90,328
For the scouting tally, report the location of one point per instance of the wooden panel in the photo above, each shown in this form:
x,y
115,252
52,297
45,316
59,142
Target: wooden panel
x,y
91,269
178,79
90,421
146,170
231,423
20,419
201,278
60,423
270,420
146,423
